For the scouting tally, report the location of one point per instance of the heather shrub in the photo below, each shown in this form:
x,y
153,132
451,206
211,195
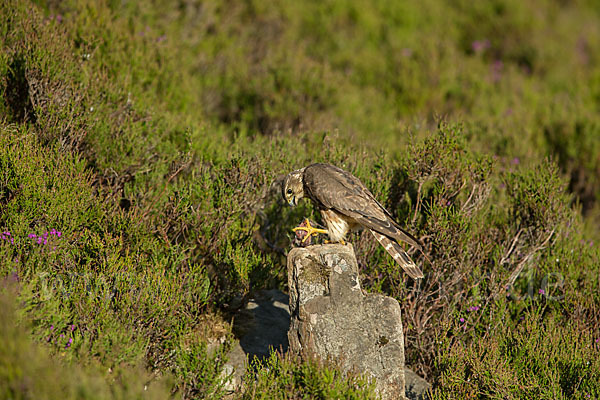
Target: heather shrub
x,y
516,362
28,371
93,279
284,377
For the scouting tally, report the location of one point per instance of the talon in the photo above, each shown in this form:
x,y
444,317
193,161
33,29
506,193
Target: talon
x,y
330,242
310,230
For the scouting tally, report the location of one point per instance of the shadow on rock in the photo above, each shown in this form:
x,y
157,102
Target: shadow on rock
x,y
263,324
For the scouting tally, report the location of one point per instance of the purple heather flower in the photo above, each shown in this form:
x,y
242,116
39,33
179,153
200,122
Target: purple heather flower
x,y
516,161
462,320
474,308
40,240
51,327
161,38
598,340
72,328
479,46
12,241
496,68
69,343
53,231
58,233
62,335
31,236
541,291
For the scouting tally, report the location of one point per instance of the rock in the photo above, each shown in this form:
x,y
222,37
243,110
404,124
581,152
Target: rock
x,y
416,387
229,377
261,325
332,319
233,371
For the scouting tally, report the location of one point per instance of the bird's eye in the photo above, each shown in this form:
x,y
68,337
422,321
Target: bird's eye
x,y
289,191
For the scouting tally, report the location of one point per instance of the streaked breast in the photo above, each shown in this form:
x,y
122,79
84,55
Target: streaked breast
x,y
337,226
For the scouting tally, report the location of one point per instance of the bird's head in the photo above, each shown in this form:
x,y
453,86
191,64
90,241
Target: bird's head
x,y
292,189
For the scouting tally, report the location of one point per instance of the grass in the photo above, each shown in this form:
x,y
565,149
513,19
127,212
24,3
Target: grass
x,y
152,137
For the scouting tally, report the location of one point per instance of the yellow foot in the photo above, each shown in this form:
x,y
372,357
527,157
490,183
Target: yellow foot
x,y
310,230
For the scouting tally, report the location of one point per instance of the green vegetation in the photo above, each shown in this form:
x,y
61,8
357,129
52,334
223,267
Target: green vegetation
x,y
27,371
140,150
284,377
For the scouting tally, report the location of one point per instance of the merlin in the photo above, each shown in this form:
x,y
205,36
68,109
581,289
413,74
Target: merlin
x,y
347,205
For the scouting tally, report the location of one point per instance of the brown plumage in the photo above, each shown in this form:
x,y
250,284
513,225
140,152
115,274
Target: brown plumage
x,y
346,204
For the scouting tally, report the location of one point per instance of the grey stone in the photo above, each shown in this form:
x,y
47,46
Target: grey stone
x,y
229,378
260,326
416,387
234,369
263,323
332,319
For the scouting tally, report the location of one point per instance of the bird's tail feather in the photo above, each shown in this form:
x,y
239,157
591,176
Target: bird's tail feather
x,y
398,253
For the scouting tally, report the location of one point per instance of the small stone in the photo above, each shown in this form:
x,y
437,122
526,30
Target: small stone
x,y
229,378
416,387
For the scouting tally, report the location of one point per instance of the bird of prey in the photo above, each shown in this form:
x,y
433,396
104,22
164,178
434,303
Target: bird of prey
x,y
346,205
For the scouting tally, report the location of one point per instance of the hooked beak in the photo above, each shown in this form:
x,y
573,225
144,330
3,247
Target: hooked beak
x,y
293,202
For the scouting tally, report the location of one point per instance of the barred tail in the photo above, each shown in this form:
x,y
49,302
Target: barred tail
x,y
398,253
